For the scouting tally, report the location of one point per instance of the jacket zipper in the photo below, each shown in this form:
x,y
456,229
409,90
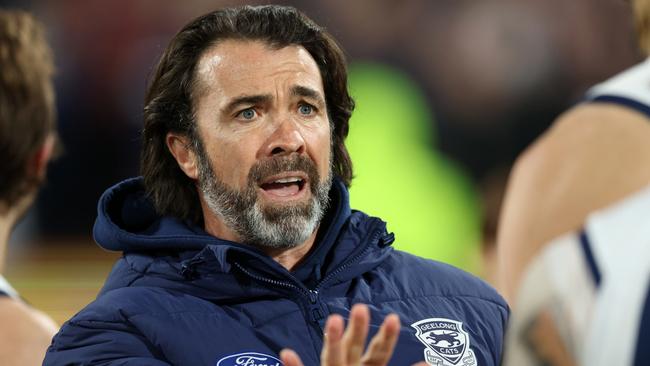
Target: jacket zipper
x,y
387,240
271,281
315,311
340,269
316,314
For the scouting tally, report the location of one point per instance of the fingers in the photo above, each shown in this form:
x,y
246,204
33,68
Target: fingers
x,y
345,346
383,343
355,335
333,349
421,363
290,358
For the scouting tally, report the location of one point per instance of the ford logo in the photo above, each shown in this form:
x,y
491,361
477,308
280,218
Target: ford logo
x,y
249,359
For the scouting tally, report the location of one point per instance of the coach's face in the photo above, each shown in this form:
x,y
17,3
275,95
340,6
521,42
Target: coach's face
x,y
263,123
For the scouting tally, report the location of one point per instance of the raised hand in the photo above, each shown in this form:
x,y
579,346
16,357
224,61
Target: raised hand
x,y
345,347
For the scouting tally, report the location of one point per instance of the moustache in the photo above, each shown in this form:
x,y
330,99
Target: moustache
x,y
276,165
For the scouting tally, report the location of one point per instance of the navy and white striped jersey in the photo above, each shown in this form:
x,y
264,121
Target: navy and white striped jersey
x,y
630,88
6,289
588,293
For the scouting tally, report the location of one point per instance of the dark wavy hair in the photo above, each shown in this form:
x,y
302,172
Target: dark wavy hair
x,y
169,99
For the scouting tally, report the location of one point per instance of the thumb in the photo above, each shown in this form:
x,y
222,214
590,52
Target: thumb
x,y
290,358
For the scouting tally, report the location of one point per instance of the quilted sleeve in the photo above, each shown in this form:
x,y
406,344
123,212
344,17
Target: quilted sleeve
x,y
89,342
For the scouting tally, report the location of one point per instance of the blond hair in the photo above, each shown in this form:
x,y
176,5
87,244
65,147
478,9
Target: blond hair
x,y
27,111
642,21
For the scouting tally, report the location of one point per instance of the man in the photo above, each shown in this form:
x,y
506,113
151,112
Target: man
x,y
27,137
239,240
585,298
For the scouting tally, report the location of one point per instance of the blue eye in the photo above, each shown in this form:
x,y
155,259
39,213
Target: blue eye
x,y
248,113
305,109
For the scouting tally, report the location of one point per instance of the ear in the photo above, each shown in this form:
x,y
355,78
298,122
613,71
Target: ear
x,y
43,156
179,146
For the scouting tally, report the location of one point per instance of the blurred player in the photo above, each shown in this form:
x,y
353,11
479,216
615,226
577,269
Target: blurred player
x,y
27,138
584,299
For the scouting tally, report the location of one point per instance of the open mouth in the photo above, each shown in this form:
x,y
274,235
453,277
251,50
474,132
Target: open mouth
x,y
285,186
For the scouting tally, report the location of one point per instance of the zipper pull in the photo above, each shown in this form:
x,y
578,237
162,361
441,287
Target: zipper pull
x,y
386,240
316,313
313,296
188,267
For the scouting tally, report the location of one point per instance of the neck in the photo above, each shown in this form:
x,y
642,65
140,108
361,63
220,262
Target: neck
x,y
7,221
291,257
8,218
288,258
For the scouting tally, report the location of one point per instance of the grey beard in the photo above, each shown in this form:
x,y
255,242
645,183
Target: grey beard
x,y
276,227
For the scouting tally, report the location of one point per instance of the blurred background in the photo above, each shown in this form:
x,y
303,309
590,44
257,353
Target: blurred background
x,y
448,93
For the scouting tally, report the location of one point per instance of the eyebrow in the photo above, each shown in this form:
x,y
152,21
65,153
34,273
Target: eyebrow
x,y
247,99
297,91
303,91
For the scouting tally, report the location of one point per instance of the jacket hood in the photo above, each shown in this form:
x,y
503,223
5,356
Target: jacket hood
x,y
167,252
127,221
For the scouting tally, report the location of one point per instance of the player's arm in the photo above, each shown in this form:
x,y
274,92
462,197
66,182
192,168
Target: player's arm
x,y
594,155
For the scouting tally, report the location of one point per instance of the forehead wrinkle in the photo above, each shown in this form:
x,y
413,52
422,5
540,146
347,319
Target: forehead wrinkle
x,y
208,74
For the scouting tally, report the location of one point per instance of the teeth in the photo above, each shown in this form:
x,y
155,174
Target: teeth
x,y
288,180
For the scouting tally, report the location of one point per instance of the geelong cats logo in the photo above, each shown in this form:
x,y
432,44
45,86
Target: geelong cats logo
x,y
447,344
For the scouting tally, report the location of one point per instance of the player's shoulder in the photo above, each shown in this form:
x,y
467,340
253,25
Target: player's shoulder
x,y
629,88
583,134
611,110
26,332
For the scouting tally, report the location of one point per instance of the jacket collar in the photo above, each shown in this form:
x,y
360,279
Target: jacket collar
x,y
186,256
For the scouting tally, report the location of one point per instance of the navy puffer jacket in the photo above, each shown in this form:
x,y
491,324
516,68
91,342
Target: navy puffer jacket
x,y
179,296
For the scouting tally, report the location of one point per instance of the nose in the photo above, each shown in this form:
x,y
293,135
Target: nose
x,y
285,139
